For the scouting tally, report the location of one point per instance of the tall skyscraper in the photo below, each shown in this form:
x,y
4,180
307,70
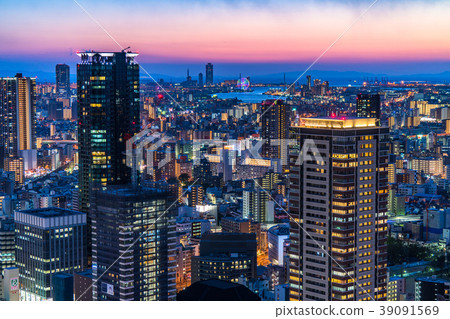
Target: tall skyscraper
x,y
200,79
368,105
17,118
142,221
339,199
63,80
108,112
209,74
275,121
49,240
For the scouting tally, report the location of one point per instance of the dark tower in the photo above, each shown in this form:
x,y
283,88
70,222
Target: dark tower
x,y
63,80
275,129
200,79
209,74
368,105
108,112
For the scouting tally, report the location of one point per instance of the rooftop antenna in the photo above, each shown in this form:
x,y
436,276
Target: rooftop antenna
x,y
126,49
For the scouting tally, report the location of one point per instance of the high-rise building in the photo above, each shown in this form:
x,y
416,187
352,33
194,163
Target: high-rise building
x,y
256,205
108,112
200,79
275,121
338,205
49,240
17,117
135,226
368,105
63,80
209,74
225,256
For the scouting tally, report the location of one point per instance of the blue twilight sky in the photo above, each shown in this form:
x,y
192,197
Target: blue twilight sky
x,y
251,37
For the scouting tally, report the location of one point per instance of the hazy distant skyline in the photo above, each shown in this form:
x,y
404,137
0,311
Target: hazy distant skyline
x,y
251,37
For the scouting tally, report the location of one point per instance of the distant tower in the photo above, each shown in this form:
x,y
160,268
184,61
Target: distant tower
x,y
188,77
63,80
200,79
308,77
209,74
275,123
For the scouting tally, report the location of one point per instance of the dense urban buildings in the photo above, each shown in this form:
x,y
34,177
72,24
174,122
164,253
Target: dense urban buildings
x,y
222,189
338,205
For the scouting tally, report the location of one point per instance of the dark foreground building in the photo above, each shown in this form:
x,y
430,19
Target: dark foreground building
x,y
432,289
217,290
136,227
225,256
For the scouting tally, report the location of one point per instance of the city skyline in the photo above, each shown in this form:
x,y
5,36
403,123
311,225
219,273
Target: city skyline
x,y
218,150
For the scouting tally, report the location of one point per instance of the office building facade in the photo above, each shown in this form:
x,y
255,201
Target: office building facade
x,y
135,226
225,256
48,241
108,115
368,105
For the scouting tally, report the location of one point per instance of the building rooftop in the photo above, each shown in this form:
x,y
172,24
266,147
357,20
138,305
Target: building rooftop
x,y
433,279
105,54
51,212
87,273
337,123
279,230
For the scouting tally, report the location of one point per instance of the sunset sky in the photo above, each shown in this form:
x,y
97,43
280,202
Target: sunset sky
x,y
394,37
